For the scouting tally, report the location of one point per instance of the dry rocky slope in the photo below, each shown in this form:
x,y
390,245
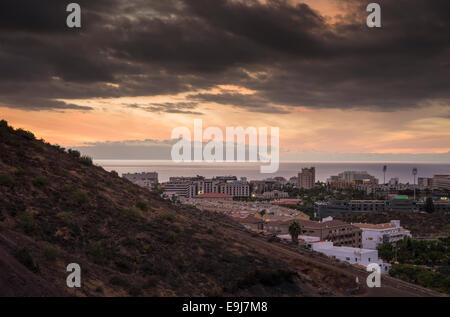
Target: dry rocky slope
x,y
57,208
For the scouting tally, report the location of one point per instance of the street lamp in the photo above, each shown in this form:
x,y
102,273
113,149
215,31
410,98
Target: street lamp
x,y
414,171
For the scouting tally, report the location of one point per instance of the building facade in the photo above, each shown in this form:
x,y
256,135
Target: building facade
x,y
375,234
441,182
191,187
351,179
355,256
339,232
307,178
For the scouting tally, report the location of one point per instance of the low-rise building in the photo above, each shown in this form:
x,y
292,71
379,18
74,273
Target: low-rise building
x,y
357,256
367,205
441,205
441,182
339,232
376,234
190,187
401,203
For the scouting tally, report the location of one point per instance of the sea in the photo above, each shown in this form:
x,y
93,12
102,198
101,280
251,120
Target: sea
x,y
167,169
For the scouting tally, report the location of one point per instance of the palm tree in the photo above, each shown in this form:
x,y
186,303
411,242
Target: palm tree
x,y
294,231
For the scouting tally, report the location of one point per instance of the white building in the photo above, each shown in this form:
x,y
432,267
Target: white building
x,y
441,182
374,235
356,256
146,180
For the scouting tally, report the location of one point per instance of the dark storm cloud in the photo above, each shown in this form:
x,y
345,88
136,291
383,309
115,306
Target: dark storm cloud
x,y
168,107
252,103
289,55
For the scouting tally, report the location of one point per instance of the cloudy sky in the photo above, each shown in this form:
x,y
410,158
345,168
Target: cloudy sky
x,y
139,68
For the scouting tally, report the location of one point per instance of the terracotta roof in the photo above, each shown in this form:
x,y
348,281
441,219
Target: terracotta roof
x,y
376,226
214,195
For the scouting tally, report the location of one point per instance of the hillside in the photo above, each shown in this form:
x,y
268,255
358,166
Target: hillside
x,y
57,208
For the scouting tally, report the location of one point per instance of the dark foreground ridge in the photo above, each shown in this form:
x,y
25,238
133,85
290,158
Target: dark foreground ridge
x,y
57,208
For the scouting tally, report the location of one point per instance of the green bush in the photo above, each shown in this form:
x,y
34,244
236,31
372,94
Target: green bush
x,y
51,252
19,172
118,281
99,252
74,153
171,237
142,205
66,217
86,160
26,221
26,134
24,257
421,276
80,197
114,174
168,216
6,180
124,266
40,181
132,213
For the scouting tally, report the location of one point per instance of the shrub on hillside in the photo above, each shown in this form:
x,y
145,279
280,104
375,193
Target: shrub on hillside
x,y
142,205
86,160
24,257
98,252
118,281
66,217
171,237
25,134
19,172
168,216
80,197
51,252
6,180
26,222
132,213
74,153
124,265
40,181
